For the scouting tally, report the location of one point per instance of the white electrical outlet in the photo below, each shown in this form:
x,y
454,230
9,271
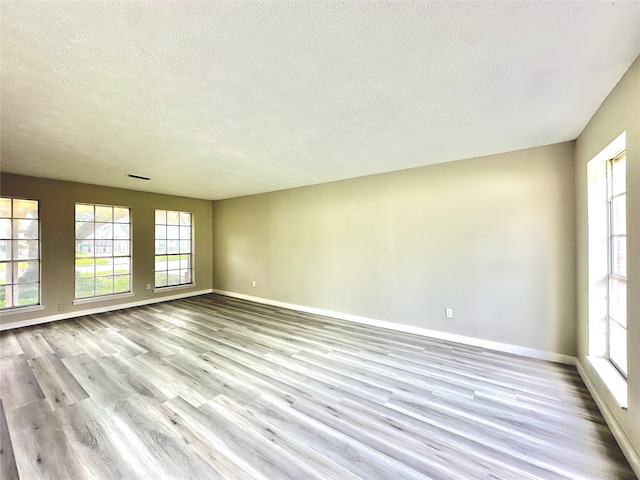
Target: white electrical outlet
x,y
253,283
148,286
61,307
449,312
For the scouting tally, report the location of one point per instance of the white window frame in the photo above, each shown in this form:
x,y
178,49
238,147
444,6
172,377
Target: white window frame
x,y
619,319
114,260
184,236
598,268
13,263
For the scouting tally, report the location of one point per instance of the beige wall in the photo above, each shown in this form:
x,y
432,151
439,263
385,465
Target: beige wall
x,y
57,203
619,112
491,237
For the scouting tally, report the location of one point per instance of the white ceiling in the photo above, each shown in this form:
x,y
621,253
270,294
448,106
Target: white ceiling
x,y
221,99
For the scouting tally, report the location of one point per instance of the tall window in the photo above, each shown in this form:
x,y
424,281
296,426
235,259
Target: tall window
x,y
617,253
103,250
19,253
173,248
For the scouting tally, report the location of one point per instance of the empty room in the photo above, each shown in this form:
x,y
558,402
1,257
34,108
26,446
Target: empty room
x,y
320,240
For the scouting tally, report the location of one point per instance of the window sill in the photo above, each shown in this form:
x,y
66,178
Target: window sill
x,y
612,379
16,310
82,301
173,287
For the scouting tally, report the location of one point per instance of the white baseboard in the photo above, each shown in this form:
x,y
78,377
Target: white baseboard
x,y
91,311
476,342
625,445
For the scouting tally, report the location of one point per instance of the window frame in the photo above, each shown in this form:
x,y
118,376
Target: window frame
x,y
113,294
191,241
611,274
13,307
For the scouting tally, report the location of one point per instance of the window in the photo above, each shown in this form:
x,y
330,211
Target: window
x,y
173,248
617,255
607,267
19,253
103,250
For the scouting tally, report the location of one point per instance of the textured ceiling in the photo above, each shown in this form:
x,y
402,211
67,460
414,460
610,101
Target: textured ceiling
x,y
216,100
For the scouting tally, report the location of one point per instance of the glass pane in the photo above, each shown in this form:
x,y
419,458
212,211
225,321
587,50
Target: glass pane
x,y
161,232
5,228
161,217
104,248
618,345
26,294
185,246
25,208
619,181
120,215
619,255
85,287
161,263
618,300
5,250
104,267
26,228
173,246
619,215
84,230
161,247
5,273
5,207
185,262
161,279
185,233
6,296
84,248
185,218
121,248
104,230
25,249
173,218
173,232
104,214
173,277
84,213
104,285
121,265
186,276
85,267
26,271
121,230
122,283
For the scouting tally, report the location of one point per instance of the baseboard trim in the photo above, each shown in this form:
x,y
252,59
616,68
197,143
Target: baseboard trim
x,y
92,311
625,445
476,342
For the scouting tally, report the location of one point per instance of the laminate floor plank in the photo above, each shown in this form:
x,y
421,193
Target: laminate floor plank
x,y
161,448
103,387
40,445
264,454
149,343
18,385
196,428
32,343
102,446
8,467
213,387
9,345
59,386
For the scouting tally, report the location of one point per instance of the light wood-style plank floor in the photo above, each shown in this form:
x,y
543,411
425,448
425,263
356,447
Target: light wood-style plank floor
x,y
218,388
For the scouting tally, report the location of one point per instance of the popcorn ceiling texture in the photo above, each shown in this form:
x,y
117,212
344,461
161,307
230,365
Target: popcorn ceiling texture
x,y
216,100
